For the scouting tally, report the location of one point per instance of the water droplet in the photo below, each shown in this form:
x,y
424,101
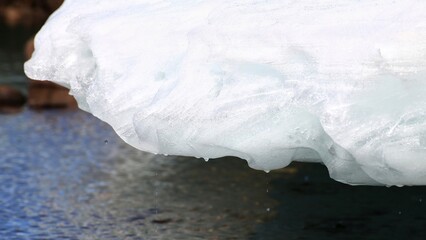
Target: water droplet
x,y
306,179
267,171
206,159
420,200
268,209
267,190
399,213
106,141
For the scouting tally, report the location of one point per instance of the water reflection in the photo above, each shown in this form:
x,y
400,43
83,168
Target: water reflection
x,y
59,180
66,175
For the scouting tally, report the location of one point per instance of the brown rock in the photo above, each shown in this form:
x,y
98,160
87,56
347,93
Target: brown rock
x,y
45,94
29,13
54,4
12,16
11,100
29,48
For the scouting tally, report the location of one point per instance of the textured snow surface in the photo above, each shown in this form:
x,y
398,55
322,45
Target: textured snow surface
x,y
338,82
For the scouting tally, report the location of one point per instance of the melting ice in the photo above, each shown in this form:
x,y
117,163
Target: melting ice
x,y
337,82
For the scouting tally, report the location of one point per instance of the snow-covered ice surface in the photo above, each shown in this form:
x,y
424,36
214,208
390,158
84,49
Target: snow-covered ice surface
x,y
271,82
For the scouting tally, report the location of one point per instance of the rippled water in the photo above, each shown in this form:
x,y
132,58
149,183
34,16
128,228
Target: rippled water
x,y
66,175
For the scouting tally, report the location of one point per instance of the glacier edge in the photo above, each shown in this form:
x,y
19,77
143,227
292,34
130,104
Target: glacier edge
x,y
352,98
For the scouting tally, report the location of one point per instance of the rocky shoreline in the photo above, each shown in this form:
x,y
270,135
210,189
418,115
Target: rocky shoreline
x,y
41,95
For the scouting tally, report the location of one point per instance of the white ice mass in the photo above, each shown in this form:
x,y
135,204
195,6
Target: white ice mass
x,y
338,82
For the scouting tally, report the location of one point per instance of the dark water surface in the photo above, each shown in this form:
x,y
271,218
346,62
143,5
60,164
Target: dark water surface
x,y
66,175
12,42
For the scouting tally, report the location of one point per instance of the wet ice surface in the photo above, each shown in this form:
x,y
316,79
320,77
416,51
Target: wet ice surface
x,y
66,175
